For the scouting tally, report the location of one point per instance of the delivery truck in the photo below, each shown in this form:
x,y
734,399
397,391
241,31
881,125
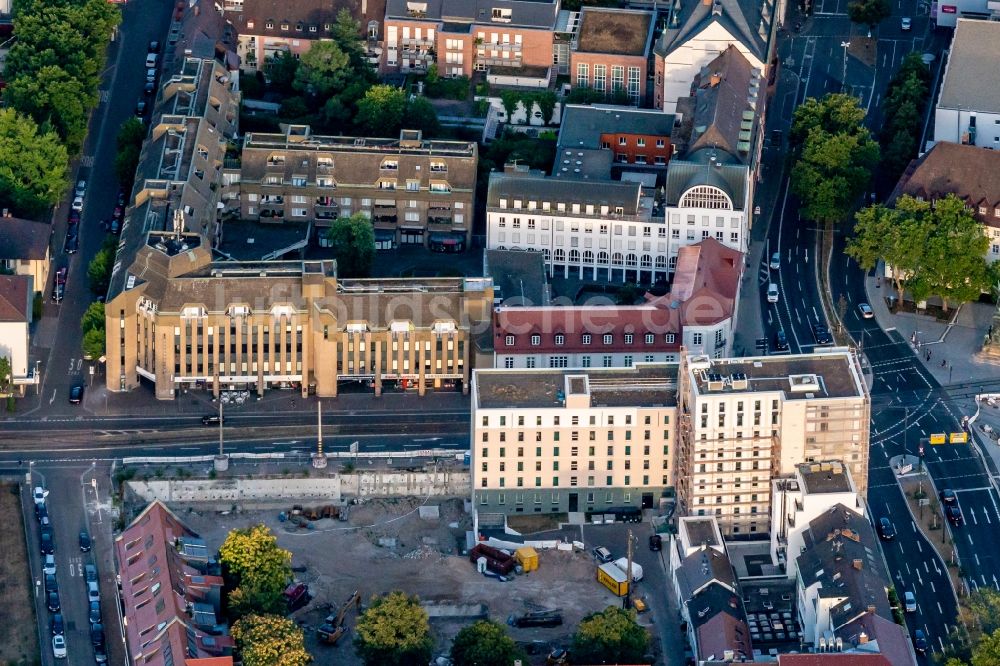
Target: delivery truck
x,y
612,578
622,563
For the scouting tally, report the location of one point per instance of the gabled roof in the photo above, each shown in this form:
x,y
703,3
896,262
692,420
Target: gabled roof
x,y
14,298
724,104
719,621
701,568
23,239
969,172
540,14
706,283
306,19
741,18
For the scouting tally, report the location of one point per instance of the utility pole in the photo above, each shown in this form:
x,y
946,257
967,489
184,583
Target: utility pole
x,y
318,458
221,461
627,603
220,429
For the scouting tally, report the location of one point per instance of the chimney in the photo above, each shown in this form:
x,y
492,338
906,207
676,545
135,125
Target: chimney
x,y
863,638
715,79
858,564
707,3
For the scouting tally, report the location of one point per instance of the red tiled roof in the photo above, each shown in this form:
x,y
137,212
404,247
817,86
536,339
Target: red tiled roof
x,y
706,283
597,321
211,661
833,659
721,633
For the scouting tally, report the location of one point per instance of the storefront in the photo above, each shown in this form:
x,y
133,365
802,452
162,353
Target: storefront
x,y
447,242
385,239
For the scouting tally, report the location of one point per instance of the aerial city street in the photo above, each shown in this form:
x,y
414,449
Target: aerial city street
x,y
605,331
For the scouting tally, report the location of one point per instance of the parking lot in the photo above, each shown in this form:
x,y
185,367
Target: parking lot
x,y
424,558
76,501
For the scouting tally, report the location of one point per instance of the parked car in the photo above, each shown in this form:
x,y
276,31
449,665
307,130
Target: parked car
x,y
866,311
122,194
772,293
655,542
47,545
58,291
775,261
60,279
90,572
149,89
76,394
97,635
780,341
948,496
954,514
95,612
885,529
59,646
85,542
602,554
154,47
93,591
73,217
150,76
39,494
81,188
100,655
49,565
920,641
116,226
57,625
51,584
77,203
909,602
72,243
140,109
150,60
905,23
213,419
52,601
41,512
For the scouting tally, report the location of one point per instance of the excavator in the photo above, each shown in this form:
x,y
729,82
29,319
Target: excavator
x,y
333,627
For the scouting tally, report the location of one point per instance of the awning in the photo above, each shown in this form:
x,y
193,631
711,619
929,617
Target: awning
x,y
447,239
385,234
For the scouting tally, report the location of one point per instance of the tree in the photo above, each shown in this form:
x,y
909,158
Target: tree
x,y
987,650
353,242
347,35
270,640
293,108
584,95
485,643
869,12
129,142
420,115
52,96
381,110
94,343
5,373
832,173
608,637
835,113
99,269
323,70
33,165
93,317
892,235
281,70
394,629
258,569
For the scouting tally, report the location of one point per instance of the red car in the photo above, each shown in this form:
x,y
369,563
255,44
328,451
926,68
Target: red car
x,y
74,217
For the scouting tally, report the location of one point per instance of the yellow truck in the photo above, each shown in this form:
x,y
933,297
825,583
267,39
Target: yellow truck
x,y
613,578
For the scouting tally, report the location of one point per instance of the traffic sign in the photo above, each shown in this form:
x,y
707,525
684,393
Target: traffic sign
x,y
939,438
958,438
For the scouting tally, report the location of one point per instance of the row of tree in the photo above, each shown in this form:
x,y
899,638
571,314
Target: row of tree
x,y
905,102
937,249
976,635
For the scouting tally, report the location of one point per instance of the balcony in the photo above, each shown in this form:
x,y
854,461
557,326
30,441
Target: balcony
x,y
326,208
385,218
439,220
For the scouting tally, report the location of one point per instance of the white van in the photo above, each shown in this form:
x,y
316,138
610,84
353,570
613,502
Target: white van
x,y
150,60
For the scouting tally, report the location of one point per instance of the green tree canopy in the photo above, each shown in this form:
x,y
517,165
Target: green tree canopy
x,y
323,70
94,343
270,640
281,70
834,113
987,650
832,172
52,96
129,141
869,12
421,115
380,111
353,242
33,165
347,35
485,643
5,373
611,636
258,569
394,630
93,317
99,268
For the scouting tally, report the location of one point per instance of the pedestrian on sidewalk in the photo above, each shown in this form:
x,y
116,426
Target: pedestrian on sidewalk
x,y
928,354
944,363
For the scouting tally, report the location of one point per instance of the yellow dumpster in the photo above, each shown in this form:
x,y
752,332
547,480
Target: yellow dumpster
x,y
527,557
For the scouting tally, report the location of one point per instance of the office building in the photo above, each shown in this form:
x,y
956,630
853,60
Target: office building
x,y
967,110
610,52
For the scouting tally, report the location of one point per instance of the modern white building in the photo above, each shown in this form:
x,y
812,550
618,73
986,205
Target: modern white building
x,y
16,296
745,421
558,440
947,13
797,500
968,109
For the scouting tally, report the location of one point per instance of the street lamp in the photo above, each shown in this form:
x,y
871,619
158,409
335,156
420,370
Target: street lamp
x,y
843,78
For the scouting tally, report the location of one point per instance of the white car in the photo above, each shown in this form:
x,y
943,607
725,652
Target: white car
x,y
866,311
905,23
150,75
772,293
93,591
77,204
40,494
49,567
775,261
59,646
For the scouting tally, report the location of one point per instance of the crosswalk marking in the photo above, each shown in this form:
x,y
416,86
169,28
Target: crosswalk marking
x,y
87,161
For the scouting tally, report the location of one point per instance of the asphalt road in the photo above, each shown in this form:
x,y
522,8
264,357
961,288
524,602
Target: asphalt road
x,y
121,86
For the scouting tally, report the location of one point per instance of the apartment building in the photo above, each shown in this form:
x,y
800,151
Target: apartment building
x,y
608,141
746,421
699,313
415,191
710,185
171,597
967,111
24,249
183,322
16,311
966,171
697,32
607,231
463,36
557,440
796,500
610,51
267,28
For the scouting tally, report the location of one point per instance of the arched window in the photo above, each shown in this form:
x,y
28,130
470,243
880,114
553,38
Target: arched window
x,y
661,262
706,196
602,257
560,255
646,261
673,262
546,255
574,256
616,259
631,260
588,257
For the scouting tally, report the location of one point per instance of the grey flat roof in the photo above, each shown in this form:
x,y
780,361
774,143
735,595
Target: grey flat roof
x,y
247,240
826,477
700,532
646,385
972,65
582,126
813,376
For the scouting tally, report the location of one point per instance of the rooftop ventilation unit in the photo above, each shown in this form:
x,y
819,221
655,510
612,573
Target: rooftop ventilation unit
x,y
803,383
740,382
700,362
715,382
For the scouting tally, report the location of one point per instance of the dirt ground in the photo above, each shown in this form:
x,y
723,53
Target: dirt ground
x,y
18,635
337,558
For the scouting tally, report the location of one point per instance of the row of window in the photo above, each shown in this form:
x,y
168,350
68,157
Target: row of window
x,y
573,481
586,338
574,437
574,451
574,227
591,465
546,206
555,498
556,420
607,361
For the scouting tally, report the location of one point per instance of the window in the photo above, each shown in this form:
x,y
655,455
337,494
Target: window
x,y
583,75
649,338
628,338
586,338
509,340
560,339
608,339
696,339
705,196
536,340
668,338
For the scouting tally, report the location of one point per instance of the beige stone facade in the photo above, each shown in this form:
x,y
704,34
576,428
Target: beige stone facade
x,y
415,191
744,421
188,323
572,440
